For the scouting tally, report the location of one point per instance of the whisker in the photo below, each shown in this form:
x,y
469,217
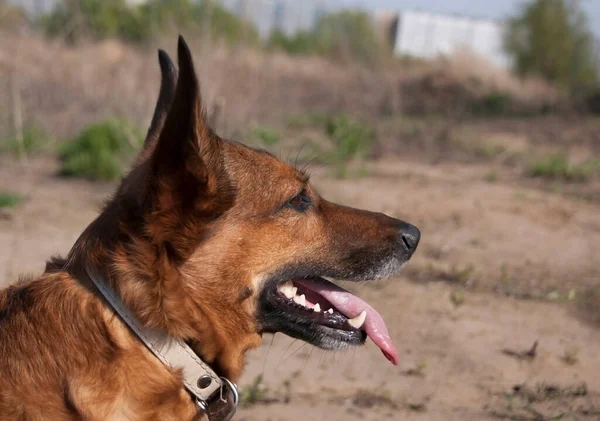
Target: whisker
x,y
323,353
288,357
298,155
267,356
308,357
312,160
283,354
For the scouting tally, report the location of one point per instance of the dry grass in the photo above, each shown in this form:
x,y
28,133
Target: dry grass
x,y
64,88
467,67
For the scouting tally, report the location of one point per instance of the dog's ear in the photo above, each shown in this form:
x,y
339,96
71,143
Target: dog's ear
x,y
185,137
168,82
188,186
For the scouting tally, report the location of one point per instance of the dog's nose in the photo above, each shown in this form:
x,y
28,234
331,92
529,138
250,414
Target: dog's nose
x,y
409,236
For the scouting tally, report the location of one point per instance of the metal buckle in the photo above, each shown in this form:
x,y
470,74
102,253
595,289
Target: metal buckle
x,y
223,406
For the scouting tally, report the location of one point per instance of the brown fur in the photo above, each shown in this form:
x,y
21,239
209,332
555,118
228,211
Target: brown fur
x,y
187,242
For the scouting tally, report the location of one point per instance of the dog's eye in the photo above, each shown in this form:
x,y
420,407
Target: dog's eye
x,y
300,202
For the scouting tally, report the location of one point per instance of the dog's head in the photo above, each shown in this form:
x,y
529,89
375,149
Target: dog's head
x,y
219,242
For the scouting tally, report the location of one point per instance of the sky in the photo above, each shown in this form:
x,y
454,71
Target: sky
x,y
491,9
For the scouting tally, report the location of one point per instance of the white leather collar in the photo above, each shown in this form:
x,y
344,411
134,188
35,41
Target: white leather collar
x,y
214,395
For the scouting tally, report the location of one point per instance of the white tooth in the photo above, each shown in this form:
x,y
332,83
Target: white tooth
x,y
330,311
300,300
287,289
359,320
294,291
317,308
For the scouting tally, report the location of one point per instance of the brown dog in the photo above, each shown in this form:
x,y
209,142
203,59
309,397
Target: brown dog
x,y
207,240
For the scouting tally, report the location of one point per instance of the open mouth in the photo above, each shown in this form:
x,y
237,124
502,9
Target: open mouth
x,y
324,314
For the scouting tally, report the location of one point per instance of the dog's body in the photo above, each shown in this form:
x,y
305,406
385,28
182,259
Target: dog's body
x,y
65,356
199,242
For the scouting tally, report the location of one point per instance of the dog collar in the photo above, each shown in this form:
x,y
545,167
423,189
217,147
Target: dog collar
x,y
216,396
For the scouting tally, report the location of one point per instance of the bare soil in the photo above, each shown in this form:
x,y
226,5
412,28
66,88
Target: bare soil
x,y
502,265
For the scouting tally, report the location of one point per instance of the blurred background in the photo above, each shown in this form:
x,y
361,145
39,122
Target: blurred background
x,y
476,121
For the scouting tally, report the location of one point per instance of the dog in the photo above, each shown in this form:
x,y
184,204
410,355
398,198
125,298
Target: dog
x,y
206,240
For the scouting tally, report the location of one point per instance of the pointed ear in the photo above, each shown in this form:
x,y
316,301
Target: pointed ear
x,y
187,184
168,83
185,140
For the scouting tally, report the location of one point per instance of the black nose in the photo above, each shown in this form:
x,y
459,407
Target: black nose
x,y
410,236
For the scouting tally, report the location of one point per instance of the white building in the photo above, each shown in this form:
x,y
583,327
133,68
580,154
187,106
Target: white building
x,y
428,35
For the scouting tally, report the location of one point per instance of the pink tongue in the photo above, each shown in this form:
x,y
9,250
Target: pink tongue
x,y
351,306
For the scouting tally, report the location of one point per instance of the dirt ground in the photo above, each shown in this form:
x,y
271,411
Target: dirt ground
x,y
501,266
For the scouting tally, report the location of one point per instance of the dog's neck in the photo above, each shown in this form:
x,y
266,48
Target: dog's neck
x,y
153,287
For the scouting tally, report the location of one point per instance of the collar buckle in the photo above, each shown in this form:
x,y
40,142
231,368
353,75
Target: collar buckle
x,y
223,404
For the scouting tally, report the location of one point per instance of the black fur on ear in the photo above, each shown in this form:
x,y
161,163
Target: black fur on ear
x,y
185,133
187,184
168,83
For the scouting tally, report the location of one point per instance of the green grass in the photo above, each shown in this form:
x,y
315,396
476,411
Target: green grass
x,y
351,141
494,103
341,35
488,152
100,151
9,200
265,136
313,119
254,392
457,298
558,167
491,177
144,22
571,356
